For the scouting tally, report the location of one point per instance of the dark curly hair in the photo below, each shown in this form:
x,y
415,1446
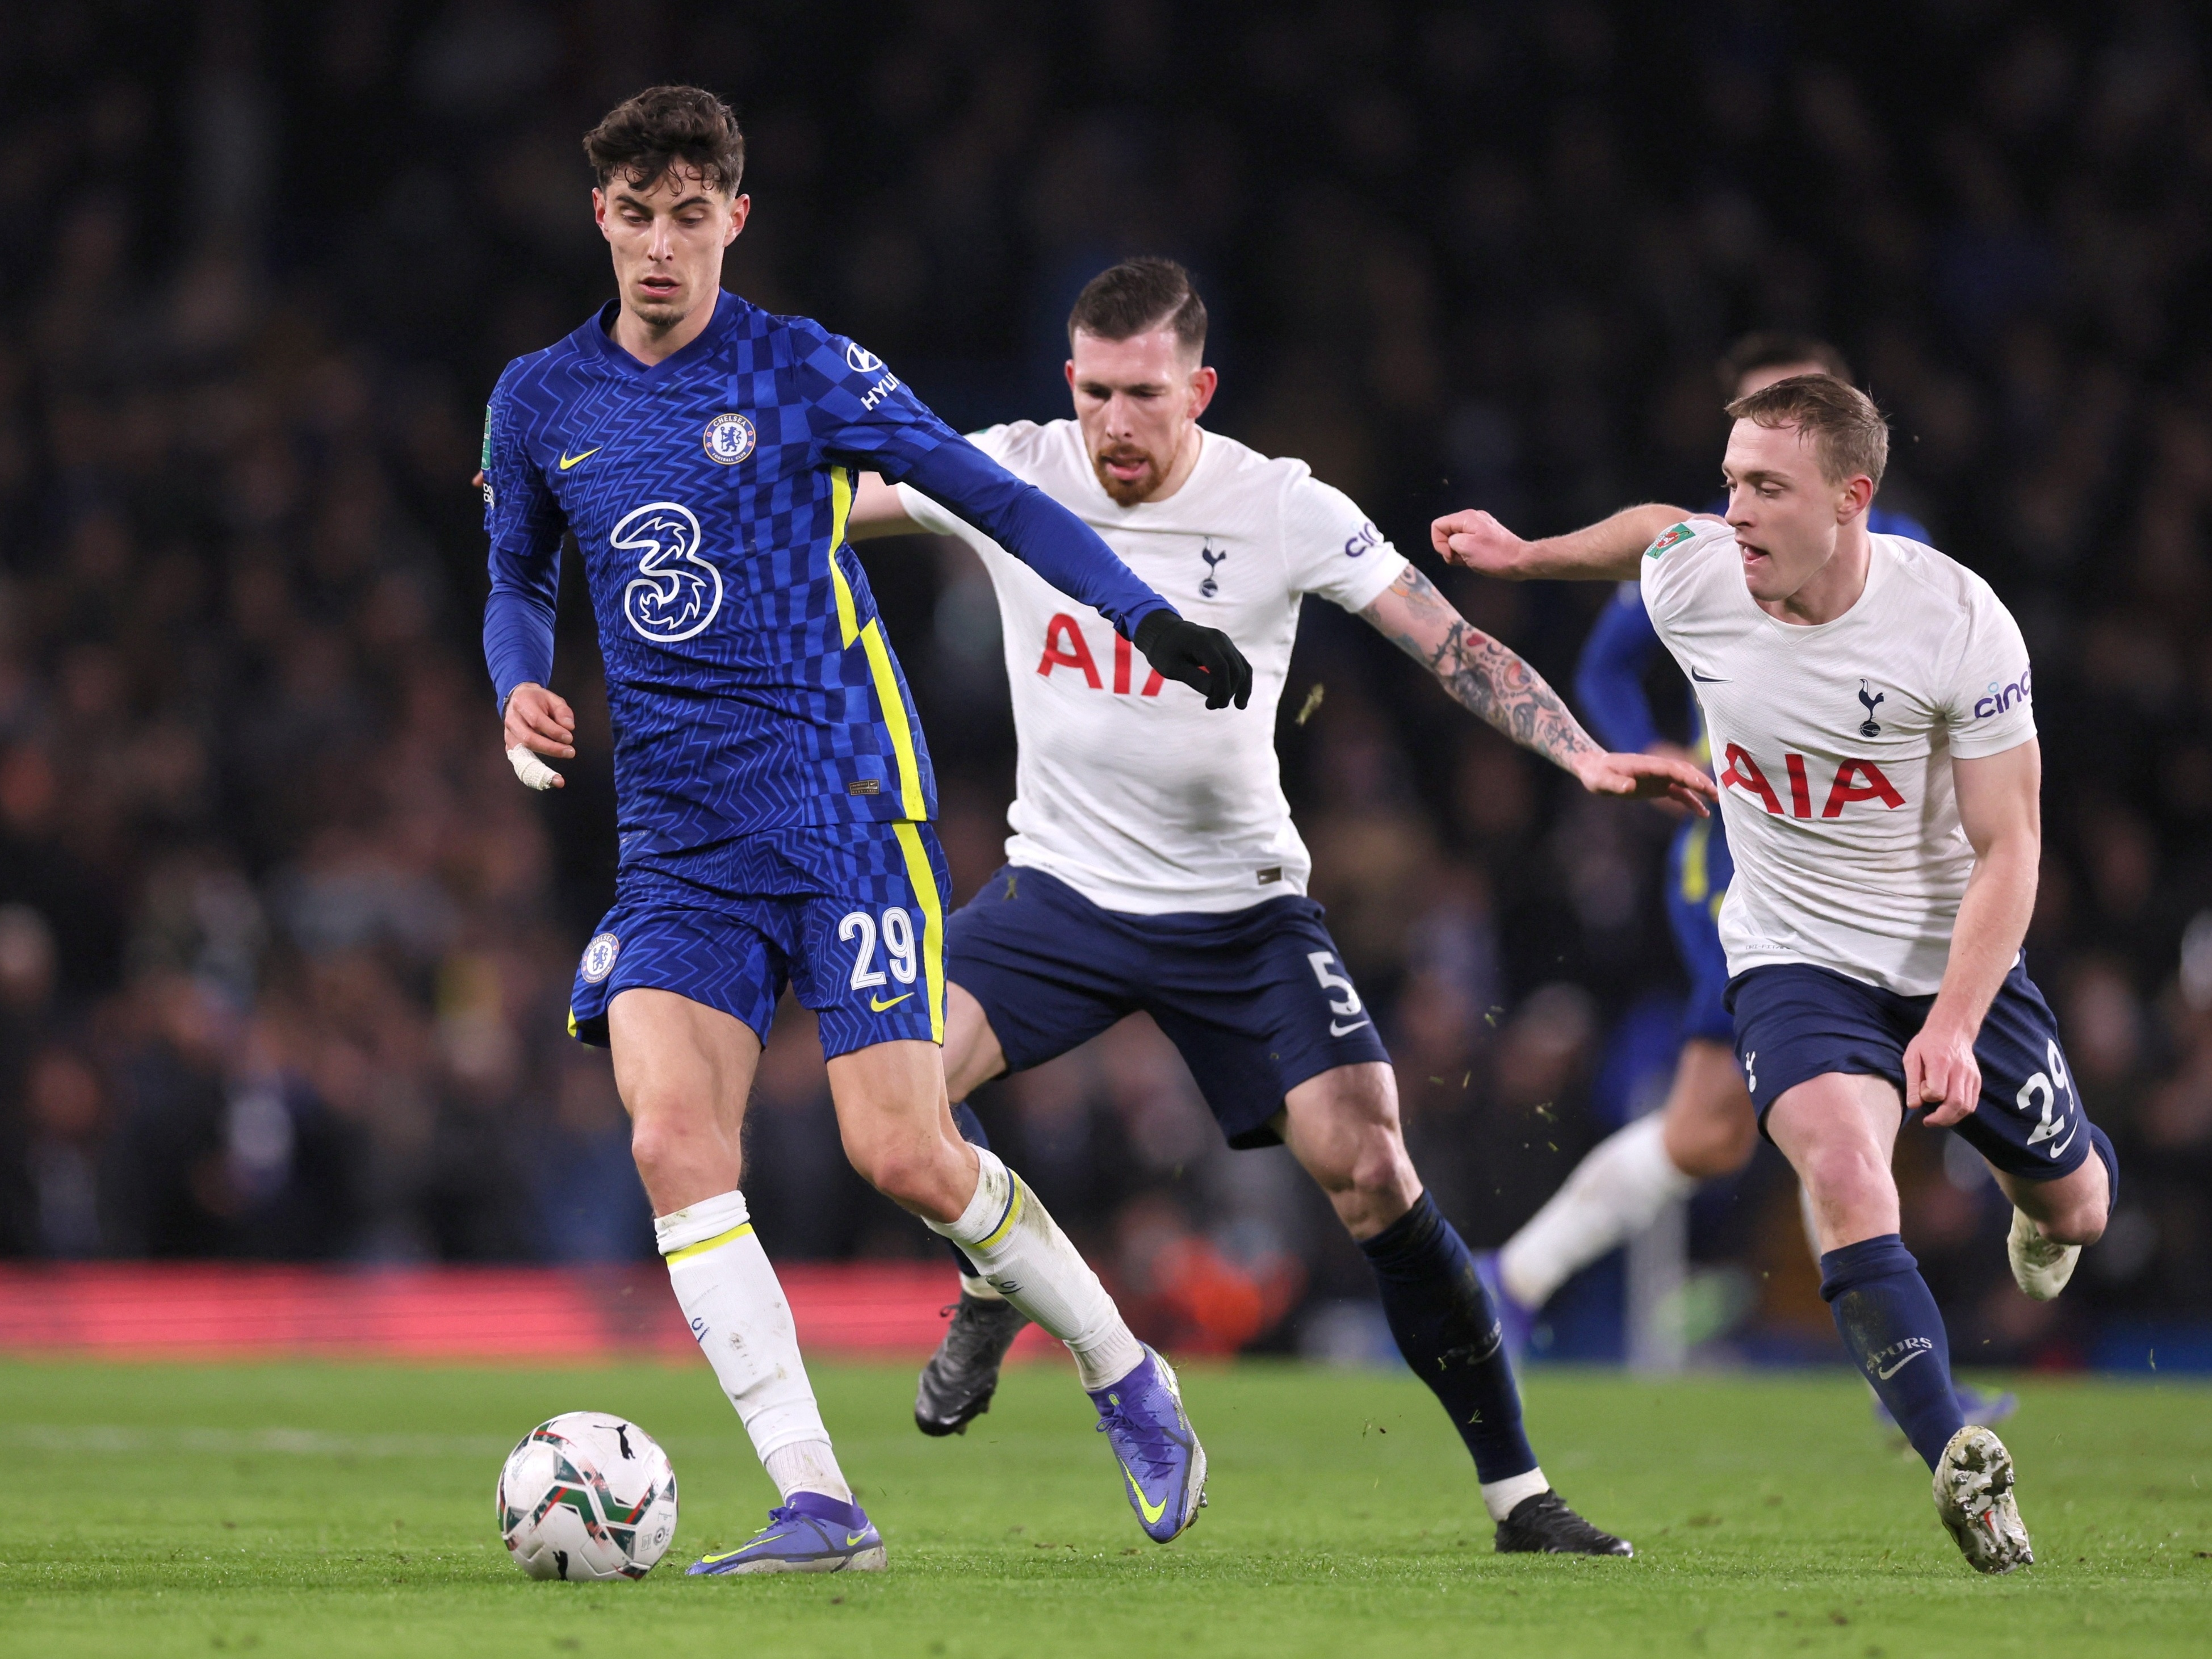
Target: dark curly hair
x,y
687,128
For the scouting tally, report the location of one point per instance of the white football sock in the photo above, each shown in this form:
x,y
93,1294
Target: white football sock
x,y
982,1289
1499,1496
1029,1262
1615,1193
736,1308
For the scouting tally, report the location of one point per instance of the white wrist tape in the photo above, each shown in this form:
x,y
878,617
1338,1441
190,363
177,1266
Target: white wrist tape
x,y
531,770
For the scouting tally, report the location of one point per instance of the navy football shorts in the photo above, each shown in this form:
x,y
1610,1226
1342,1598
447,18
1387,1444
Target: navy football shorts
x,y
1794,1021
851,916
1257,999
1698,871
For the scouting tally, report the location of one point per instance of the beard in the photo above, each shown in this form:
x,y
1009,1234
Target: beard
x,y
1132,492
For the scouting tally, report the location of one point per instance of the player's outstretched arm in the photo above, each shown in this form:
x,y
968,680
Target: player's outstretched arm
x,y
1494,682
2000,806
1069,554
1605,551
877,511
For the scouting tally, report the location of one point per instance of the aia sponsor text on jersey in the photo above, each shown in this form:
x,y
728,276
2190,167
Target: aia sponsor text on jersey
x,y
1852,780
1065,647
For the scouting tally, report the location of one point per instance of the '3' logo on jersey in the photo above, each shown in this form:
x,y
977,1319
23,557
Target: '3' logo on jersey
x,y
675,593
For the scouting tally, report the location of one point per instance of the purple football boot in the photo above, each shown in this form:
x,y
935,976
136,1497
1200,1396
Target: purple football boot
x,y
810,1534
1163,1465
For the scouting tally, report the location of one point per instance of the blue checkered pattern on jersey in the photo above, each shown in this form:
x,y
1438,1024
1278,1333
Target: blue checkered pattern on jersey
x,y
750,682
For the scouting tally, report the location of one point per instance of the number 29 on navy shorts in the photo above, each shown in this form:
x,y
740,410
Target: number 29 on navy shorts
x,y
1795,1022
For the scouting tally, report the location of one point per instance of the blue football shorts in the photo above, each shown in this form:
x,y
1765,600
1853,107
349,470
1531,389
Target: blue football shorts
x,y
1698,871
1795,1022
851,916
1257,1001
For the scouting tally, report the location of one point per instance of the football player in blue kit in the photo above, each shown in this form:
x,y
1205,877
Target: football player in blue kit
x,y
773,790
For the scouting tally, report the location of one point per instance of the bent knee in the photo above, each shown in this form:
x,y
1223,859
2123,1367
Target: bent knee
x,y
1384,1169
914,1175
1839,1174
2083,1223
665,1143
1708,1148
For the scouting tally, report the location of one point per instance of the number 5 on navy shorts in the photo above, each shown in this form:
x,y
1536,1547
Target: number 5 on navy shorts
x,y
1257,1001
1795,1022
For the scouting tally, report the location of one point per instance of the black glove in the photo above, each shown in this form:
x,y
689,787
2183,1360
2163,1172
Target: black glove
x,y
1205,658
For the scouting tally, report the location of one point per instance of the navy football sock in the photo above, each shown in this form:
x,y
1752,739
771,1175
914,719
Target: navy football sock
x,y
971,1131
1450,1336
1889,1322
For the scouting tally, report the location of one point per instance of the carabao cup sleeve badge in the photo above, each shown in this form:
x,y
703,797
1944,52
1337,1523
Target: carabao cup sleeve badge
x,y
729,439
599,957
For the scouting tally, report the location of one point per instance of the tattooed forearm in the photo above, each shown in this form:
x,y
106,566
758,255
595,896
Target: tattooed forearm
x,y
1480,674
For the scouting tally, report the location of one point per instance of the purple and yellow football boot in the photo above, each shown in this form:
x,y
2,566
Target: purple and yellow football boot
x,y
1163,1465
810,1534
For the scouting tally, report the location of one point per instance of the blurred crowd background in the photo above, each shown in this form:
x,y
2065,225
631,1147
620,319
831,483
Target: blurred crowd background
x,y
284,950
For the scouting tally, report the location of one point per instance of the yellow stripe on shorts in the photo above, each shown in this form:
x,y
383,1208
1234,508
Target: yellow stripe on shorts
x,y
924,882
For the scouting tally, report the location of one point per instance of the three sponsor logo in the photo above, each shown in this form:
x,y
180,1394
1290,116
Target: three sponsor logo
x,y
675,594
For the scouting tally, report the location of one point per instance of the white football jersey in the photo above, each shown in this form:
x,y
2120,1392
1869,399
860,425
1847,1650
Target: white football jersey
x,y
1127,787
1833,746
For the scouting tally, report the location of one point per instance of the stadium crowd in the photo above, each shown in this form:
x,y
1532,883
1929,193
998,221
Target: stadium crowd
x,y
285,951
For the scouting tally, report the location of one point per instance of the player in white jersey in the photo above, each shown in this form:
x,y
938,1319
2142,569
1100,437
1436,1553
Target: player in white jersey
x,y
1870,707
1154,866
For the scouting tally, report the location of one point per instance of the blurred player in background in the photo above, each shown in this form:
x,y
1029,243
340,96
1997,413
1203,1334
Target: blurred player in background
x,y
1153,869
773,789
1871,703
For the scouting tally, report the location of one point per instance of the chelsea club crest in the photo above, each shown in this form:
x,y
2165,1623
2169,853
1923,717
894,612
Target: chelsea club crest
x,y
599,957
729,439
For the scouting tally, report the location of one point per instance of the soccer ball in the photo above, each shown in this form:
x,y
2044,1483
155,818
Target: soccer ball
x,y
586,1496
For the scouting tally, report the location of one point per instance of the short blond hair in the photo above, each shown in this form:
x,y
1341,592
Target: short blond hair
x,y
1848,433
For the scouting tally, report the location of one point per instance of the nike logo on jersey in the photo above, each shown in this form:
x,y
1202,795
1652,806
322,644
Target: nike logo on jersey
x,y
879,1004
1335,1030
569,460
1706,679
1888,1371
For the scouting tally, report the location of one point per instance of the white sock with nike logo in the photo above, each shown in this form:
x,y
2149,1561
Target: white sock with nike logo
x,y
1026,1258
737,1310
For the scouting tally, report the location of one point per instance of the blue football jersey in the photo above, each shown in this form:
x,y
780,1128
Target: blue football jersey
x,y
749,681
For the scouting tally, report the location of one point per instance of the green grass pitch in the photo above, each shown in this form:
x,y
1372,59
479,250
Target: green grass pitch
x,y
331,1510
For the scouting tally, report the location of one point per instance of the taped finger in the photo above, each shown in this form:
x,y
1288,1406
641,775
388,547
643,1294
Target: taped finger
x,y
533,772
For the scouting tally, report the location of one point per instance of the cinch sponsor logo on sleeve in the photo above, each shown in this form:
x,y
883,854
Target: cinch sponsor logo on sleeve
x,y
2001,697
1368,537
